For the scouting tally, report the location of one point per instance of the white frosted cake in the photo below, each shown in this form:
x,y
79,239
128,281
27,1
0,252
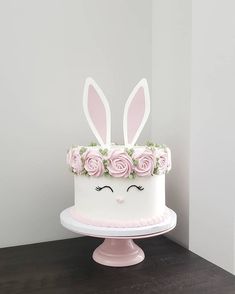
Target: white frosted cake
x,y
119,185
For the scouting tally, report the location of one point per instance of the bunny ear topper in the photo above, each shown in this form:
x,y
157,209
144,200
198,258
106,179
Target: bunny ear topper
x,y
97,111
136,112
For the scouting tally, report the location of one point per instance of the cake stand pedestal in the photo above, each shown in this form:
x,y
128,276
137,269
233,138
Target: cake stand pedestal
x,y
118,248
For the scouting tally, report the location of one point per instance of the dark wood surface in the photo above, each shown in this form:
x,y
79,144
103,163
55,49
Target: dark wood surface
x,y
67,267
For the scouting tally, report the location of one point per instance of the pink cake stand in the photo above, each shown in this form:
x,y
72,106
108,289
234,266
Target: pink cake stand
x,y
118,248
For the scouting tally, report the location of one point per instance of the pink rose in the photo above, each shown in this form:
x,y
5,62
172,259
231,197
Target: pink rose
x,y
74,160
162,161
93,163
145,162
119,164
169,159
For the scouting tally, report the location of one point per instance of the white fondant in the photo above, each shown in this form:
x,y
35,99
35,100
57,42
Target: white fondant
x,y
120,205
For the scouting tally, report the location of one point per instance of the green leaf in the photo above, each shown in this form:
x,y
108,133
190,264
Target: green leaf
x,y
129,151
135,162
150,144
82,150
92,144
103,152
155,171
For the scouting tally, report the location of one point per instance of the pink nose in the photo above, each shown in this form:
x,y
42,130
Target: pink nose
x,y
120,200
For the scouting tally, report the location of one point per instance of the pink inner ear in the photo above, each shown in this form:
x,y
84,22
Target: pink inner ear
x,y
97,112
135,114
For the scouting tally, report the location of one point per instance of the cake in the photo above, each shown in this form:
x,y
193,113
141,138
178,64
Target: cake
x,y
121,186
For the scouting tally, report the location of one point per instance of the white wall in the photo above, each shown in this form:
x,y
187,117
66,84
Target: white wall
x,y
212,192
47,50
195,117
171,59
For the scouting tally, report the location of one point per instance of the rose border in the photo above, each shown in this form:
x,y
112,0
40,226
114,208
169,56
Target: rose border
x,y
104,152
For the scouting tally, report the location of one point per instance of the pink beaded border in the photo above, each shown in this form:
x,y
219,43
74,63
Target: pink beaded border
x,y
119,223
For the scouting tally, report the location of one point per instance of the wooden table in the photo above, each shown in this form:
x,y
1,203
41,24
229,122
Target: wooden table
x,y
67,267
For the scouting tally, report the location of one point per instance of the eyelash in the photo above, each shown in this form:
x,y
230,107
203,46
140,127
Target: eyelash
x,y
100,188
138,187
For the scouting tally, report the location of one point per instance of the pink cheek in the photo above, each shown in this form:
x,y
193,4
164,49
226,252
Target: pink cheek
x,y
120,200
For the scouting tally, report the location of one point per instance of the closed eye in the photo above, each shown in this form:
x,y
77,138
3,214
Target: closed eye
x,y
101,188
138,187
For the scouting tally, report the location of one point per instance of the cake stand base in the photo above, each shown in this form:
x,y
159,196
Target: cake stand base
x,y
118,248
118,253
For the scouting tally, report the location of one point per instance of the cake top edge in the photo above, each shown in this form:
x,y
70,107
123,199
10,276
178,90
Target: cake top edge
x,y
119,161
95,146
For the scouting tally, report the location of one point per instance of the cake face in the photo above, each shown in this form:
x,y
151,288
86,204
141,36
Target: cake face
x,y
119,201
119,185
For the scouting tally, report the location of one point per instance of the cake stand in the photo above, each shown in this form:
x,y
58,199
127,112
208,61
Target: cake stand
x,y
118,248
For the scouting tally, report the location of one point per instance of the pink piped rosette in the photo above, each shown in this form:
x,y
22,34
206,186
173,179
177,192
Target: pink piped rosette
x,y
118,161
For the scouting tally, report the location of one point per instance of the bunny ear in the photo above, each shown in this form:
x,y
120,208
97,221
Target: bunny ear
x,y
97,111
136,112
